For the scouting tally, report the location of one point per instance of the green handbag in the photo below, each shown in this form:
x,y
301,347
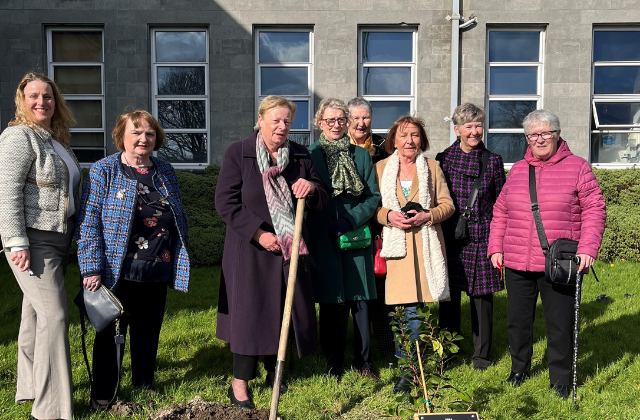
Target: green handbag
x,y
357,238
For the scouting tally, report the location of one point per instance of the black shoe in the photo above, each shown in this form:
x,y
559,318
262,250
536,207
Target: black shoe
x,y
561,390
516,379
403,386
480,368
283,387
246,404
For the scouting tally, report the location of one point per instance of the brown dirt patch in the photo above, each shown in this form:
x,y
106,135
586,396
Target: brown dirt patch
x,y
198,409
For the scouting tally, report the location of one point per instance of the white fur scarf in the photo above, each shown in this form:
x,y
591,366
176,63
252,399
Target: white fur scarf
x,y
394,244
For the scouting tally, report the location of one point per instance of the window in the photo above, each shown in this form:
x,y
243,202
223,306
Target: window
x,y
387,73
615,103
284,62
76,64
514,87
180,92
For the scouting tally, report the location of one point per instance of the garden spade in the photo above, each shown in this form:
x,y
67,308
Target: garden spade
x,y
576,306
286,317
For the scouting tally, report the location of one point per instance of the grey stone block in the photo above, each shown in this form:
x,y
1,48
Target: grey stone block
x,y
20,46
75,4
126,46
138,89
522,4
142,75
137,61
127,75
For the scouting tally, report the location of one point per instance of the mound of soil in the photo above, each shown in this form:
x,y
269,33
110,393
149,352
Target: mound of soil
x,y
198,409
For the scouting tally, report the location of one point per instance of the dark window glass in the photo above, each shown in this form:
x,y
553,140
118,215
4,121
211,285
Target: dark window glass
x,y
284,47
615,147
509,114
88,155
618,113
300,138
182,114
88,113
616,80
513,80
185,148
87,139
387,81
387,47
76,46
387,112
616,46
514,46
511,146
80,80
179,46
181,81
284,81
301,121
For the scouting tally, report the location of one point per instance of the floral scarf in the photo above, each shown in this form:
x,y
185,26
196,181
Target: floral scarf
x,y
344,175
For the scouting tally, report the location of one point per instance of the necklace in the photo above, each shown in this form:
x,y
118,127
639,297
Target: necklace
x,y
406,175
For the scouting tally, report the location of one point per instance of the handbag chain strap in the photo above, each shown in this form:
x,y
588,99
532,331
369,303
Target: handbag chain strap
x,y
533,194
466,210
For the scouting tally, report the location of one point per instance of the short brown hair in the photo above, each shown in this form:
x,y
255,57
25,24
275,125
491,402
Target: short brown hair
x,y
401,122
275,101
136,116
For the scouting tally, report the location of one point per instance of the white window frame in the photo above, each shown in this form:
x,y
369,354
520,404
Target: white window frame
x,y
538,97
413,65
51,67
610,98
206,97
308,65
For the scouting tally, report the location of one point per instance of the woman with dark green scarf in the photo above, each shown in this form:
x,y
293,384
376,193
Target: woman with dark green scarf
x,y
343,279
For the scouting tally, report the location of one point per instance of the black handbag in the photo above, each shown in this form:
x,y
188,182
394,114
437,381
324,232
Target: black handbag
x,y
465,212
559,258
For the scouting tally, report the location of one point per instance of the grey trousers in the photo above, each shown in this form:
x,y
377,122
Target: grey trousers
x,y
44,362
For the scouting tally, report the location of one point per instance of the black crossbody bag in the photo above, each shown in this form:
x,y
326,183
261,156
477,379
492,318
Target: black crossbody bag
x,y
559,263
465,212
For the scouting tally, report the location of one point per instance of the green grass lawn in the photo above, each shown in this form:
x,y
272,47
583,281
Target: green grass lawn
x,y
191,361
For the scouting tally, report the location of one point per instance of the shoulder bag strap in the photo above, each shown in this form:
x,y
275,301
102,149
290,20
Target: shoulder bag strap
x,y
533,194
476,185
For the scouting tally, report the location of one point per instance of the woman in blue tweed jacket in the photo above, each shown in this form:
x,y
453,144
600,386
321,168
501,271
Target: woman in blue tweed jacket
x,y
132,238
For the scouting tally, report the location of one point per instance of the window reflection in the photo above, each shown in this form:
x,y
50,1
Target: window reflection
x,y
509,114
284,47
618,113
301,121
513,80
79,79
87,139
387,47
300,138
185,148
615,147
385,113
181,81
181,46
182,114
88,113
511,146
514,46
76,46
284,81
387,81
616,46
616,80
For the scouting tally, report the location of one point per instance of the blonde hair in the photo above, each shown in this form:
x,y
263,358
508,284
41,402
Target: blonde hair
x,y
468,113
136,116
62,118
329,103
275,101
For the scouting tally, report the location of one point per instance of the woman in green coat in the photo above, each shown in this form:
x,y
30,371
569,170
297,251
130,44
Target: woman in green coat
x,y
343,279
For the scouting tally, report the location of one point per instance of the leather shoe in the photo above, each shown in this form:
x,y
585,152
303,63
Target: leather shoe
x,y
561,390
403,386
246,404
516,379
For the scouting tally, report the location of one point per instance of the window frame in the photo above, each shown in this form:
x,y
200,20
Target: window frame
x,y
538,97
298,64
413,65
51,66
206,97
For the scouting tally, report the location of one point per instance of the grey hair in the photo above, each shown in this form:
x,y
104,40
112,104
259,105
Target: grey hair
x,y
541,117
360,101
329,103
467,113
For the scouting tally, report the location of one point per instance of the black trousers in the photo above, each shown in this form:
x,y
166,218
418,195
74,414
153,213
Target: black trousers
x,y
379,313
145,303
333,333
481,323
523,288
246,367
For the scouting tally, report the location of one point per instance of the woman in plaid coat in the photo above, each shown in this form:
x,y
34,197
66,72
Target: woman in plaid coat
x,y
470,271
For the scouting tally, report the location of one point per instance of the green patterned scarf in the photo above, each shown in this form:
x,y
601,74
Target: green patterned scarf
x,y
344,175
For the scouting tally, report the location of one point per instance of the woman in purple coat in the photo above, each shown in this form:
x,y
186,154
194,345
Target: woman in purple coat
x,y
260,179
470,270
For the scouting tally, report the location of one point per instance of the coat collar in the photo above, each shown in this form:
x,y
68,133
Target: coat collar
x,y
562,152
468,164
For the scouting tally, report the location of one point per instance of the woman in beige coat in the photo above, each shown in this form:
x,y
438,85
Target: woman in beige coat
x,y
413,244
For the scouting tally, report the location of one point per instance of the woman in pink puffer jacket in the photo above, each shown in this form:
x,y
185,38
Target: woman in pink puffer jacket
x,y
571,206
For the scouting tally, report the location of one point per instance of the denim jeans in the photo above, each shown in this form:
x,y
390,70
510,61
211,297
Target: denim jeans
x,y
410,311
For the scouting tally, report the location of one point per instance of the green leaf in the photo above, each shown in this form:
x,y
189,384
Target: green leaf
x,y
465,397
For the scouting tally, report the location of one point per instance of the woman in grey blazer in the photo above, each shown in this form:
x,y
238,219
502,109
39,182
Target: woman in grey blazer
x,y
39,198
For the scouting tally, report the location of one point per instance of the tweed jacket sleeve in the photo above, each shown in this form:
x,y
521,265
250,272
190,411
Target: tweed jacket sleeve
x,y
16,157
89,235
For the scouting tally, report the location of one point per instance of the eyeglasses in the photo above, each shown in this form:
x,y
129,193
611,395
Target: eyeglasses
x,y
332,121
546,135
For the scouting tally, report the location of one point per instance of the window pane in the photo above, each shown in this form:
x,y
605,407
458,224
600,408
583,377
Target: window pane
x,y
181,46
387,47
88,155
87,139
511,146
182,114
284,81
514,46
509,114
302,116
618,113
513,80
284,47
616,46
615,147
185,148
385,113
300,138
76,46
87,113
387,81
79,80
616,80
181,81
